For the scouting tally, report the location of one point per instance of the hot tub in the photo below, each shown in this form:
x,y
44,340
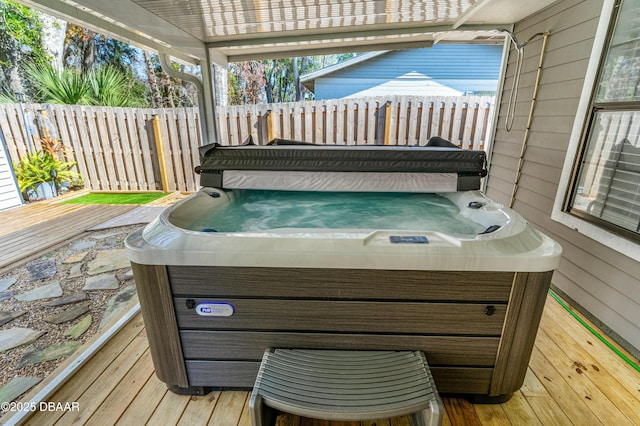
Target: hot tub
x,y
215,295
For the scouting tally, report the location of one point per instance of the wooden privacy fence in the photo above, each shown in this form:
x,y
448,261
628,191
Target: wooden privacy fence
x,y
141,149
116,149
399,120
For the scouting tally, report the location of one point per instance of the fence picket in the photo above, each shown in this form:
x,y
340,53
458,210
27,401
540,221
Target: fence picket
x,y
487,118
350,122
127,126
426,113
413,120
171,150
59,115
14,137
446,120
308,115
254,123
223,123
372,114
319,115
402,121
119,181
180,155
243,126
330,123
184,158
340,123
297,122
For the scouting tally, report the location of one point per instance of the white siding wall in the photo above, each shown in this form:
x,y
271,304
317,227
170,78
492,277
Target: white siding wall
x,y
9,193
602,281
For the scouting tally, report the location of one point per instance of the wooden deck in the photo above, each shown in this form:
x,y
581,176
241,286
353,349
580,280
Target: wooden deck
x,y
30,230
573,378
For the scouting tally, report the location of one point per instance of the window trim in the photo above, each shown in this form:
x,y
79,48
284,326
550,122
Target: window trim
x,y
588,228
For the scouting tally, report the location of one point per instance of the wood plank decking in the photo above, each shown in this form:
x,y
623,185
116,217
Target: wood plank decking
x,y
28,230
573,379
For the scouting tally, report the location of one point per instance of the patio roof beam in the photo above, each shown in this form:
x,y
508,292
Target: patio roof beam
x,y
332,35
468,14
324,50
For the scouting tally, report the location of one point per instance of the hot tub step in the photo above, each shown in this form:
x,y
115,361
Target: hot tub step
x,y
345,385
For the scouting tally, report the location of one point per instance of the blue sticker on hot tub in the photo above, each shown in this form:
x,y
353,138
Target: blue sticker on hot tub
x,y
214,309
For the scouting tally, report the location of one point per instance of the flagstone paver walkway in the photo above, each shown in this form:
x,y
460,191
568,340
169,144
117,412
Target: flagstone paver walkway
x,y
52,284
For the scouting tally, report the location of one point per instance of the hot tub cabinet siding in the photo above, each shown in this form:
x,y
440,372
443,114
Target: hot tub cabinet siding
x,y
477,329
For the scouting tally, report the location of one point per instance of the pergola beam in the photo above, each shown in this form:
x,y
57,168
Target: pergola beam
x,y
334,36
324,50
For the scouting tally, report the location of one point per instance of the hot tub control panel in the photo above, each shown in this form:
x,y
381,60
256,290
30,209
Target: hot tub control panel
x,y
408,239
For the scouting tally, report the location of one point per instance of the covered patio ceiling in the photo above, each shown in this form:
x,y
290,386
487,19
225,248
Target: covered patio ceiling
x,y
236,30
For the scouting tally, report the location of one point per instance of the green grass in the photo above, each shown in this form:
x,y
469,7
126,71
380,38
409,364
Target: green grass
x,y
116,198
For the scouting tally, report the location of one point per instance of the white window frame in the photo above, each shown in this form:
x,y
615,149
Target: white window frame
x,y
602,235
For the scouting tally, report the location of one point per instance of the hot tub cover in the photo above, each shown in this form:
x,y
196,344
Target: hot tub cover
x,y
467,166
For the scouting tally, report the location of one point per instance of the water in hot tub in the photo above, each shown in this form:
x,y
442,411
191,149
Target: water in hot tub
x,y
254,210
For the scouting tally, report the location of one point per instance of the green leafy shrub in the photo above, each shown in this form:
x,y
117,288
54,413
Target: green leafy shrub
x,y
40,167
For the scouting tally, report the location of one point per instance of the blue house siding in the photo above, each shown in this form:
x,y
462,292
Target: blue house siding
x,y
439,70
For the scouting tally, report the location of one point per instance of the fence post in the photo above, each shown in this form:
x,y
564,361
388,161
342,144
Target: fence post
x,y
269,126
387,122
157,136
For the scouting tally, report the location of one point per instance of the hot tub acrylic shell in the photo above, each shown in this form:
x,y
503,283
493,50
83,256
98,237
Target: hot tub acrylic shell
x,y
516,246
472,303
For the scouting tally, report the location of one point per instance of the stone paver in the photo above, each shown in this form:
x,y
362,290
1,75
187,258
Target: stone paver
x,y
16,387
18,336
6,283
6,316
42,269
68,299
68,314
75,271
82,245
128,275
75,258
80,328
101,282
118,302
49,353
108,260
5,295
44,292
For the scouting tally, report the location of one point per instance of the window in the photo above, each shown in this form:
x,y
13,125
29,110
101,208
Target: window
x,y
606,186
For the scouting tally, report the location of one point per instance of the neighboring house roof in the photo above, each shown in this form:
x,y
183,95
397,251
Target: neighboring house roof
x,y
442,70
308,80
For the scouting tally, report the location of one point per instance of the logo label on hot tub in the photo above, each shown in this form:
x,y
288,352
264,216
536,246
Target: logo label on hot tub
x,y
214,309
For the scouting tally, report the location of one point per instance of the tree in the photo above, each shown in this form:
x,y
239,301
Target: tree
x,y
53,36
165,91
275,80
246,82
20,40
85,49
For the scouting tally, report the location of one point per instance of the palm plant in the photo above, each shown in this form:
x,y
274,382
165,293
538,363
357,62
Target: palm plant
x,y
6,97
104,86
59,87
111,87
